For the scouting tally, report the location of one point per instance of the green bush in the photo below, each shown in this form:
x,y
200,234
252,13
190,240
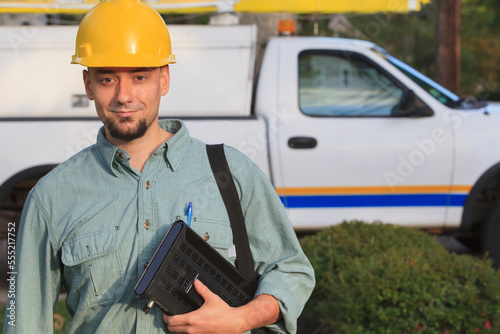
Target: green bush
x,y
375,278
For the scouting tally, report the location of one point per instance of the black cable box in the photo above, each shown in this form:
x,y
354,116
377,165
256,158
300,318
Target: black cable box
x,y
182,257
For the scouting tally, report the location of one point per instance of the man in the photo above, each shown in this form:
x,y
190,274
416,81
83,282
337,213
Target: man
x,y
94,222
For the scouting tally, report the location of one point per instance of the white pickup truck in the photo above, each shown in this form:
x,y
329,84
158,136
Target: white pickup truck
x,y
343,130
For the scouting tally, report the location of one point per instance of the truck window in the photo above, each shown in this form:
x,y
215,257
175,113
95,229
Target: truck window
x,y
434,89
344,85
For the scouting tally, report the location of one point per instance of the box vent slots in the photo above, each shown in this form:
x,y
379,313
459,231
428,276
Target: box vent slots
x,y
203,266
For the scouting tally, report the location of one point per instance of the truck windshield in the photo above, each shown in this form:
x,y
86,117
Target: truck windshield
x,y
437,91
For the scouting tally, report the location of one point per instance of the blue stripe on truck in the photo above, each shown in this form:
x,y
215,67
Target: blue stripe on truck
x,y
350,201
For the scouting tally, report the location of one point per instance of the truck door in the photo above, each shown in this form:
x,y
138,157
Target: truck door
x,y
347,152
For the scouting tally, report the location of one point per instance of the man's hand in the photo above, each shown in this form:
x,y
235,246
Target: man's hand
x,y
217,317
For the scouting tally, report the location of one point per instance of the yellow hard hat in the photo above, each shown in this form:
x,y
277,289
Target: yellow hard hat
x,y
123,33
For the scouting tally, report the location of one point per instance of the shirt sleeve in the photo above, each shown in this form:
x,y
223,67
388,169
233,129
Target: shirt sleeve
x,y
286,273
35,281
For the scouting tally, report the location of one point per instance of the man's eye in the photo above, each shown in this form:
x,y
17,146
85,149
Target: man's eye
x,y
141,77
105,80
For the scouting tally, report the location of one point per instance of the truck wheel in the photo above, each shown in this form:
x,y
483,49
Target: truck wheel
x,y
490,234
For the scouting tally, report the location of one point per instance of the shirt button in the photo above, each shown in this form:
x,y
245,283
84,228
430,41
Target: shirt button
x,y
206,236
121,155
147,184
147,224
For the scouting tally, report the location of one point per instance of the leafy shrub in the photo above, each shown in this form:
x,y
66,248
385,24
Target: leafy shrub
x,y
375,278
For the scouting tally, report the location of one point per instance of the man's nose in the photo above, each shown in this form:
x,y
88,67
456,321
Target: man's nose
x,y
124,92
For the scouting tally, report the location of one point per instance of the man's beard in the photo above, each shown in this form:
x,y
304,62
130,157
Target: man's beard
x,y
126,135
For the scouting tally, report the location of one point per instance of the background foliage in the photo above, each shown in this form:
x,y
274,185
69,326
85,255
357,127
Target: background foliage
x,y
374,278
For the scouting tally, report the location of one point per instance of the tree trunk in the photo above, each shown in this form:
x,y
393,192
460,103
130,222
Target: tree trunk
x,y
267,26
448,44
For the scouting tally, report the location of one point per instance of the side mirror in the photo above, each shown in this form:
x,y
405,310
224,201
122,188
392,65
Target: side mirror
x,y
411,106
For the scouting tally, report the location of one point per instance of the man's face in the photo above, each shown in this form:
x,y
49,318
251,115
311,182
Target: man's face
x,y
126,99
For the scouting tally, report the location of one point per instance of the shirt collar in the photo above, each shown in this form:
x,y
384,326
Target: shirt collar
x,y
173,149
107,152
178,144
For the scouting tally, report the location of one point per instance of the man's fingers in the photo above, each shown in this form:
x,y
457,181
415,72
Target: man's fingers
x,y
200,287
200,319
203,291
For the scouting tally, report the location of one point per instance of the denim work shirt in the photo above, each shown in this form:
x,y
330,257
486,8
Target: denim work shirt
x,y
93,223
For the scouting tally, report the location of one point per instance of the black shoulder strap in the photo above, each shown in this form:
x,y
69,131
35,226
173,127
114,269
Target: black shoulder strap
x,y
227,188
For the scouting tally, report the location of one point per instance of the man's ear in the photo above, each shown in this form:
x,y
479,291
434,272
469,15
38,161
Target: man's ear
x,y
88,84
164,79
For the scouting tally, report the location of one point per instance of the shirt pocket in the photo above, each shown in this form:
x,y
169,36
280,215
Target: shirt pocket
x,y
94,270
217,234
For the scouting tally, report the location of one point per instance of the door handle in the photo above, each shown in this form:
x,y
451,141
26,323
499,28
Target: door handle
x,y
302,142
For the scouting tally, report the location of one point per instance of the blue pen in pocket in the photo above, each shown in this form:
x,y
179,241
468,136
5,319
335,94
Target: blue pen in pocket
x,y
189,213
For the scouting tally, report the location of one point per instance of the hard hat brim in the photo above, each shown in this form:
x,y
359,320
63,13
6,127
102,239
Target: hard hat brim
x,y
112,60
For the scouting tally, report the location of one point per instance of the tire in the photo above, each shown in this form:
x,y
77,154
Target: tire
x,y
490,234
